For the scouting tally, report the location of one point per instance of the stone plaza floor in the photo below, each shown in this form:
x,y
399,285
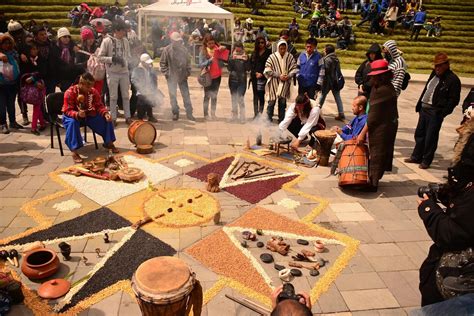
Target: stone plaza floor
x,y
380,279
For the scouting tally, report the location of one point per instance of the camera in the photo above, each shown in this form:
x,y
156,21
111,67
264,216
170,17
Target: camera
x,y
288,292
435,191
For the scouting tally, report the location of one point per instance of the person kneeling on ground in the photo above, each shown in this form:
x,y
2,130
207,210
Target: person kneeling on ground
x,y
285,307
83,103
302,119
355,126
144,79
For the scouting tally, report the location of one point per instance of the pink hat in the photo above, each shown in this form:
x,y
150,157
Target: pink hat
x,y
378,67
87,34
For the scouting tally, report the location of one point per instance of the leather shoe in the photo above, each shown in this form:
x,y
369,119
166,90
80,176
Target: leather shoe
x,y
15,125
341,118
423,166
411,160
175,117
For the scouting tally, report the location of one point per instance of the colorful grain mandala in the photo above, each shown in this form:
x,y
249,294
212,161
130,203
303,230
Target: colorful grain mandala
x,y
261,293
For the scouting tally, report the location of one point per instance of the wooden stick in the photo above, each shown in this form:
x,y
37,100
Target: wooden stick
x,y
197,214
257,305
241,165
261,311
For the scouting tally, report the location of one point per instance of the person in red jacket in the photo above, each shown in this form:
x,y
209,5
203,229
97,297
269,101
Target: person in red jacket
x,y
213,56
83,103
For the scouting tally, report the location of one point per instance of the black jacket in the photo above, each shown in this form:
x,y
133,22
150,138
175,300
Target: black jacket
x,y
29,68
257,62
361,78
331,63
450,230
238,71
446,95
61,69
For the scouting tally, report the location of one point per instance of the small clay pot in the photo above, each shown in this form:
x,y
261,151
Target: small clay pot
x,y
40,263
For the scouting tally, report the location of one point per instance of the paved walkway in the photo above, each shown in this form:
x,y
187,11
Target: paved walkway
x,y
382,278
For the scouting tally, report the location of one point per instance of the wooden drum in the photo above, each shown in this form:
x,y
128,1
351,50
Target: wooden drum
x,y
142,133
324,141
353,165
166,286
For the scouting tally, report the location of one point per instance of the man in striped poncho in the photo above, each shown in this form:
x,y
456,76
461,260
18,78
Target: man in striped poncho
x,y
280,68
396,63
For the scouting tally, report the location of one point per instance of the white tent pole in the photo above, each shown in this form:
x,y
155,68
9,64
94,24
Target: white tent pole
x,y
146,29
140,26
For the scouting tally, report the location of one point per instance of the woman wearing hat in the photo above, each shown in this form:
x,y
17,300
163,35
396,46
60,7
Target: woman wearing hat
x,y
382,122
88,45
63,54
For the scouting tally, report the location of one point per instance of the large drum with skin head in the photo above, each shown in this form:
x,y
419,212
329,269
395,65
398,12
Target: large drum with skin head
x,y
142,133
353,165
324,140
166,286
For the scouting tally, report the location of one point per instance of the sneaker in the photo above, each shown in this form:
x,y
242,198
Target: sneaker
x,y
128,121
4,129
191,117
152,119
175,117
214,117
15,125
35,132
26,121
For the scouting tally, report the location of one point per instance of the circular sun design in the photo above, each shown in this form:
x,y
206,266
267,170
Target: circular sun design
x,y
182,207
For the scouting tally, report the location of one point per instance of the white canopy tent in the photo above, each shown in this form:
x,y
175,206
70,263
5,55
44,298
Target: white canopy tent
x,y
179,8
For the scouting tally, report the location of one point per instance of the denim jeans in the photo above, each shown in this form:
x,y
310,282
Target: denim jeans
x,y
237,93
426,136
337,98
258,99
7,103
114,81
173,92
210,93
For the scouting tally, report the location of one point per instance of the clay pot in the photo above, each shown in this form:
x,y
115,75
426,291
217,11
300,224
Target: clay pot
x,y
40,263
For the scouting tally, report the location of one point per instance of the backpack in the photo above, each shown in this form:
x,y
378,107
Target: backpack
x,y
94,67
339,77
406,80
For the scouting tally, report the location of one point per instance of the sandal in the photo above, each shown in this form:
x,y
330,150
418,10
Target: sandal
x,y
115,150
77,158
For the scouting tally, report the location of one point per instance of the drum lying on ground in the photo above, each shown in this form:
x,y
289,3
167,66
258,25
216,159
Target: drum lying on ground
x,y
142,133
353,165
163,286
